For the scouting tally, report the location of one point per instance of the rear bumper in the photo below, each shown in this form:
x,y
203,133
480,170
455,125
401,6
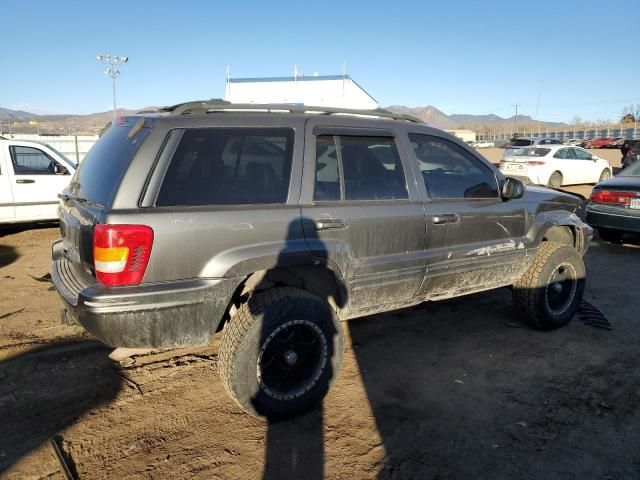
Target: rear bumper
x,y
161,315
615,218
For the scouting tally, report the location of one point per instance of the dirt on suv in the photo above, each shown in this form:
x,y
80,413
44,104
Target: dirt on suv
x,y
272,224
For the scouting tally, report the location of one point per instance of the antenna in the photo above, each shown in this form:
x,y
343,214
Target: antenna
x,y
344,75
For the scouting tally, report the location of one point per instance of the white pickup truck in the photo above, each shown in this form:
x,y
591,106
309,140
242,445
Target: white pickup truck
x,y
32,174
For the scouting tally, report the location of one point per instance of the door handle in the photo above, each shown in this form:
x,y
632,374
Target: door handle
x,y
25,180
446,218
331,223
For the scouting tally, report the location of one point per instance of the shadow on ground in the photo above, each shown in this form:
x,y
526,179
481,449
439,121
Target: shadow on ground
x,y
8,255
46,389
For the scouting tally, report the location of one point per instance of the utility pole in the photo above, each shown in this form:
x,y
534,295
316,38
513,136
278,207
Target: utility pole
x,y
516,105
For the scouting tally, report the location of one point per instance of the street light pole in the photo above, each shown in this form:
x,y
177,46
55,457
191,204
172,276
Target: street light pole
x,y
112,71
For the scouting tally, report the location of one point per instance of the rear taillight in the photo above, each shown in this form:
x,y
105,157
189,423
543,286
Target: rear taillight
x,y
535,163
613,197
121,253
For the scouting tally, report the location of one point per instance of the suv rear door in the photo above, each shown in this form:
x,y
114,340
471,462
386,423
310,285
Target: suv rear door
x,y
475,240
361,211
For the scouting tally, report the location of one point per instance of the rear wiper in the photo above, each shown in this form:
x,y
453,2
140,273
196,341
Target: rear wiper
x,y
82,201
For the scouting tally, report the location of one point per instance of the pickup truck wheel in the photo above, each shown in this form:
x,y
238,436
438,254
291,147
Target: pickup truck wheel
x,y
281,353
548,295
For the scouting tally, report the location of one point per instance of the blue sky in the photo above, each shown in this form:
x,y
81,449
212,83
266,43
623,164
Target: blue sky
x,y
462,57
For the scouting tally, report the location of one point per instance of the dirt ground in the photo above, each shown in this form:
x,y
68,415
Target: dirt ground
x,y
446,390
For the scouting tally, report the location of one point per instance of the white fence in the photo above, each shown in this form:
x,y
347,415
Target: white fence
x,y
75,147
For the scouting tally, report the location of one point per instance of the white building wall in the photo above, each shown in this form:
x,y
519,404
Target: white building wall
x,y
336,92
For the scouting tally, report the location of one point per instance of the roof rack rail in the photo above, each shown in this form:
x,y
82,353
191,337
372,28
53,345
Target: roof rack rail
x,y
216,105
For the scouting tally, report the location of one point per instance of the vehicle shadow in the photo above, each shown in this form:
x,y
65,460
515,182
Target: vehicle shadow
x,y
8,255
14,228
45,389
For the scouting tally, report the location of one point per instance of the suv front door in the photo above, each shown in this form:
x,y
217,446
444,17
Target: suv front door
x,y
36,180
362,214
475,240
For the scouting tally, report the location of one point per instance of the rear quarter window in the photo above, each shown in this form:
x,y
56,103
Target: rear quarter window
x,y
229,166
101,171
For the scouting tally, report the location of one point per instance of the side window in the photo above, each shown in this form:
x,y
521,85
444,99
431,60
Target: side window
x,y
449,171
581,154
358,168
327,176
229,166
31,161
565,154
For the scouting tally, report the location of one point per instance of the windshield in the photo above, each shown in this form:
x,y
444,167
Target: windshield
x,y
632,170
521,142
531,152
63,157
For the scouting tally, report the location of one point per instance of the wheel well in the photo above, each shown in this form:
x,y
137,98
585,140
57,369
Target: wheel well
x,y
560,234
316,279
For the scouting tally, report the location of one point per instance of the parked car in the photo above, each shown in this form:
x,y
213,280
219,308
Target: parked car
x,y
598,142
574,142
521,142
273,224
32,174
630,152
614,208
615,143
483,144
555,166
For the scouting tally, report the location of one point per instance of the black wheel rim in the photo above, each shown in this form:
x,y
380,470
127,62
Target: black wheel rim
x,y
561,288
292,359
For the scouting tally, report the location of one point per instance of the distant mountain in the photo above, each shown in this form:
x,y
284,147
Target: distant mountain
x,y
429,114
6,114
57,124
438,119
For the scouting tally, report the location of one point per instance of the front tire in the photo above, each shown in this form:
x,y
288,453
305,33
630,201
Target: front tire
x,y
555,180
548,295
281,353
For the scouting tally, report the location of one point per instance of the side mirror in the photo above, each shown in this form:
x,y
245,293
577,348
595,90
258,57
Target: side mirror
x,y
512,188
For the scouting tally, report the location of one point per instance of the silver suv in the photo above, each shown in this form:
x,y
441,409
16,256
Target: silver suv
x,y
272,224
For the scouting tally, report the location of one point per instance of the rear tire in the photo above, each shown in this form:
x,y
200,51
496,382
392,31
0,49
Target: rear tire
x,y
605,175
611,236
548,295
281,353
555,180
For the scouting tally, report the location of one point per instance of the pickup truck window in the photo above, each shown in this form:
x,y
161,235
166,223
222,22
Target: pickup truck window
x,y
449,171
31,161
229,166
369,168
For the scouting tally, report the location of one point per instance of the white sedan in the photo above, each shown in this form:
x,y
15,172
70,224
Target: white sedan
x,y
555,166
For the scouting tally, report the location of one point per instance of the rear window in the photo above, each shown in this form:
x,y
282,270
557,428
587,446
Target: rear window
x,y
229,166
99,174
521,142
531,152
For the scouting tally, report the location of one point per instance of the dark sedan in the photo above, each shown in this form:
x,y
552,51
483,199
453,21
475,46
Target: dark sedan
x,y
614,208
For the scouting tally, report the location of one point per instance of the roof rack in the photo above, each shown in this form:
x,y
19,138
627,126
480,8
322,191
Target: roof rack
x,y
206,106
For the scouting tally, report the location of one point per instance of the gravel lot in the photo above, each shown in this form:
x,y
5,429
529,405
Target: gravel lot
x,y
447,390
